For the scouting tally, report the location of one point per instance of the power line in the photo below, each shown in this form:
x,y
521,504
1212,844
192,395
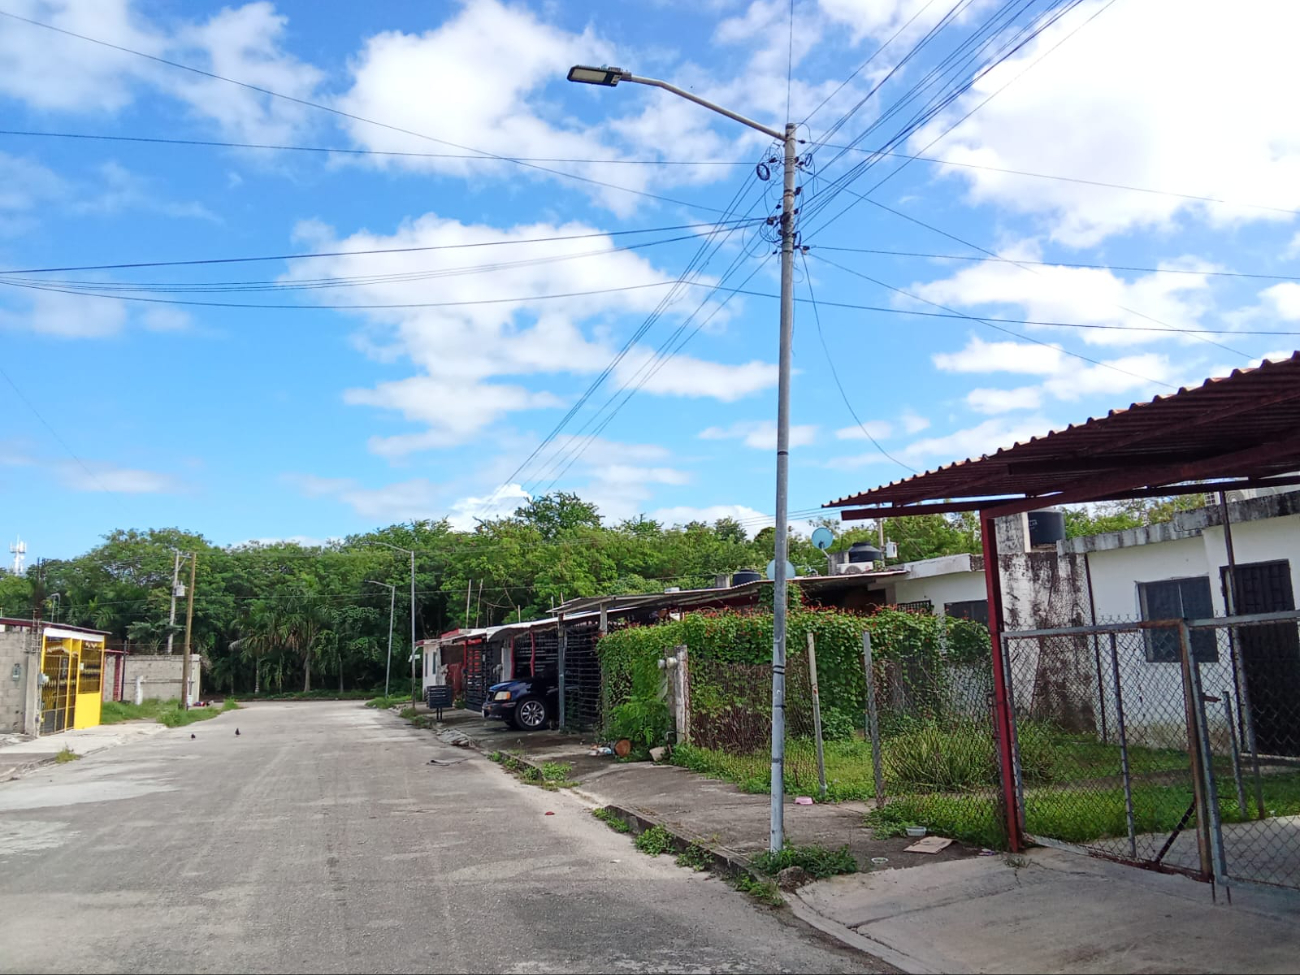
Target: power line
x,y
1069,264
214,143
53,433
482,153
990,324
381,250
830,361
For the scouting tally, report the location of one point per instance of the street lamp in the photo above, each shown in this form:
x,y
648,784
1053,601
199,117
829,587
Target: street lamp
x,y
392,603
397,548
610,77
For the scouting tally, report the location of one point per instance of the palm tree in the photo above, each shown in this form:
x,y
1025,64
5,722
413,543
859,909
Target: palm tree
x,y
265,632
307,628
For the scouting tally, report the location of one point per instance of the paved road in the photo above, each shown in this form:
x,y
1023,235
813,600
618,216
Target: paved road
x,y
321,839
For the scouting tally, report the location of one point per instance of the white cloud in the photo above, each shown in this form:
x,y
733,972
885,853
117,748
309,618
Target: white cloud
x,y
458,349
1131,99
25,183
95,476
1086,296
752,520
67,316
416,499
973,441
465,513
1283,300
981,356
913,422
118,189
761,434
1004,400
55,72
879,429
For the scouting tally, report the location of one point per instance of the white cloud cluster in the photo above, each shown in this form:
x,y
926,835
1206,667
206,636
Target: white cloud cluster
x,y
93,476
1063,377
57,72
1132,99
461,350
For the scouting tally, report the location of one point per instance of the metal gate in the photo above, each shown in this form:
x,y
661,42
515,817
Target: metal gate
x,y
582,679
1141,742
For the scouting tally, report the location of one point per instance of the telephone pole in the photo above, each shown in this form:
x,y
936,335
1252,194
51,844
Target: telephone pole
x,y
189,629
171,617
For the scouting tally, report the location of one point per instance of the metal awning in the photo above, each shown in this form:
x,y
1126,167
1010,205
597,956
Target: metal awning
x,y
1239,431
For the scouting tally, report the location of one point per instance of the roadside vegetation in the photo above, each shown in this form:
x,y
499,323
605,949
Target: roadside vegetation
x,y
65,756
168,713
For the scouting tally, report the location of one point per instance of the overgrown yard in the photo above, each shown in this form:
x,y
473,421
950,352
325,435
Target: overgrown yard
x,y
169,713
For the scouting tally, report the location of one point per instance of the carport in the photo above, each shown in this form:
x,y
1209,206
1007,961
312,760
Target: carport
x,y
1237,432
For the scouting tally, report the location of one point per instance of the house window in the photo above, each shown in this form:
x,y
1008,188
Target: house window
x,y
969,609
1174,599
916,606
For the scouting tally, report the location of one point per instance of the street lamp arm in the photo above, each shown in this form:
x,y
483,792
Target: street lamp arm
x,y
666,86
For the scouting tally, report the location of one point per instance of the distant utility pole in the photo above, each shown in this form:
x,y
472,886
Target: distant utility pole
x,y
189,629
171,617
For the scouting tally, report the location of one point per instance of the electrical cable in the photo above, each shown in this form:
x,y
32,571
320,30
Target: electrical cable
x,y
830,361
483,153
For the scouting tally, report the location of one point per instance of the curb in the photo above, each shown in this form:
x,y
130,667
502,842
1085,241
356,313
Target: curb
x,y
18,771
851,939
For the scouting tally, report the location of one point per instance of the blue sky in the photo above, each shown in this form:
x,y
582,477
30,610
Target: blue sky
x,y
312,422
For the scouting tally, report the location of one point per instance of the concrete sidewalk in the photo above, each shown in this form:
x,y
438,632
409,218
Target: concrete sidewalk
x,y
1053,912
1049,911
23,753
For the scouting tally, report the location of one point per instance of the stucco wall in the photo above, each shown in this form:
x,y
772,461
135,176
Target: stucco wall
x,y
162,675
13,651
952,588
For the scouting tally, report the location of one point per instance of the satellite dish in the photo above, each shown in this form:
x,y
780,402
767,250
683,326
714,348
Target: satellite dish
x,y
823,538
771,569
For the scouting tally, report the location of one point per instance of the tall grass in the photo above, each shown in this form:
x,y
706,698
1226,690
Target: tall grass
x,y
168,713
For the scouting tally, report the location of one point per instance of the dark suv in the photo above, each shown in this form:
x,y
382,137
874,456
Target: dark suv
x,y
525,703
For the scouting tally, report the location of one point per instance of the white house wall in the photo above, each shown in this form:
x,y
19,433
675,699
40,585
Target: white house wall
x,y
1117,571
1253,541
939,590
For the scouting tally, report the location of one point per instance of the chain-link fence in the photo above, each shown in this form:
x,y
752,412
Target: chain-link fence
x,y
1167,744
934,751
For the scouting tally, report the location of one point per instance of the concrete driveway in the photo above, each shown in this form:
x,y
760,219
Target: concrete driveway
x,y
322,839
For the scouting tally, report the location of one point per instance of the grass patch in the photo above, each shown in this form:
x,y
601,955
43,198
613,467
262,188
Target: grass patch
x,y
817,860
168,713
764,891
325,695
654,841
611,820
65,756
384,703
696,857
556,771
497,757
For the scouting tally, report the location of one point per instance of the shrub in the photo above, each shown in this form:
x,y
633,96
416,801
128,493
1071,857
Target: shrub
x,y
654,841
959,757
817,860
611,820
764,891
696,857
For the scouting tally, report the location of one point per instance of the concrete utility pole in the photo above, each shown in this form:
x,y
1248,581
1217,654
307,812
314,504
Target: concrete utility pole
x,y
609,77
171,617
189,630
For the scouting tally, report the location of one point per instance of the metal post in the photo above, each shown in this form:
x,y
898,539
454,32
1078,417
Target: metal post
x,y
1202,779
189,629
1212,819
171,616
562,641
1123,750
415,681
1003,719
817,713
777,836
1245,715
1236,754
873,724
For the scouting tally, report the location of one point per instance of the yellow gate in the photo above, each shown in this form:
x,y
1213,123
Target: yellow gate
x,y
72,667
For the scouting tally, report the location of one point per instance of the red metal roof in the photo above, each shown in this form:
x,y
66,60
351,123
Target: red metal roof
x,y
1245,426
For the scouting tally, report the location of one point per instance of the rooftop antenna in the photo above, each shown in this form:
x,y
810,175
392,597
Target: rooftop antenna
x,y
19,551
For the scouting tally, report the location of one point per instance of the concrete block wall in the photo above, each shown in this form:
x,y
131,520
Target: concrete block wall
x,y
162,676
18,698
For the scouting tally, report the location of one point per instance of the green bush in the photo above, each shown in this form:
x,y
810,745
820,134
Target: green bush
x,y
654,841
817,860
839,725
696,857
955,758
611,820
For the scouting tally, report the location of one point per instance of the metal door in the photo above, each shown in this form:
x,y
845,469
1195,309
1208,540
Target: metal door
x,y
1270,655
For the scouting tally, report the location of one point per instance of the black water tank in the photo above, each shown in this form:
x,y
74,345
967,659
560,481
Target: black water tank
x,y
1046,527
865,552
744,576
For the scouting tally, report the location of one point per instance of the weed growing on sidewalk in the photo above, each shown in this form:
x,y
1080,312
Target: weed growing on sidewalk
x,y
816,860
611,820
654,841
764,891
66,756
696,857
556,771
497,757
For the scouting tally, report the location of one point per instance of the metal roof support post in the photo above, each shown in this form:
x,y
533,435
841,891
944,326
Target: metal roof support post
x,y
562,641
1004,724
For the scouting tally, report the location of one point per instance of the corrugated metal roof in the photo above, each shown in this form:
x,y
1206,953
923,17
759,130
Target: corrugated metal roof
x,y
1166,440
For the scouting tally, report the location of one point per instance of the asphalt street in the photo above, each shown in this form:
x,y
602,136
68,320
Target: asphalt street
x,y
323,839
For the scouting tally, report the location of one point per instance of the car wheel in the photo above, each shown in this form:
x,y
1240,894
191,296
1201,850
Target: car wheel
x,y
531,714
